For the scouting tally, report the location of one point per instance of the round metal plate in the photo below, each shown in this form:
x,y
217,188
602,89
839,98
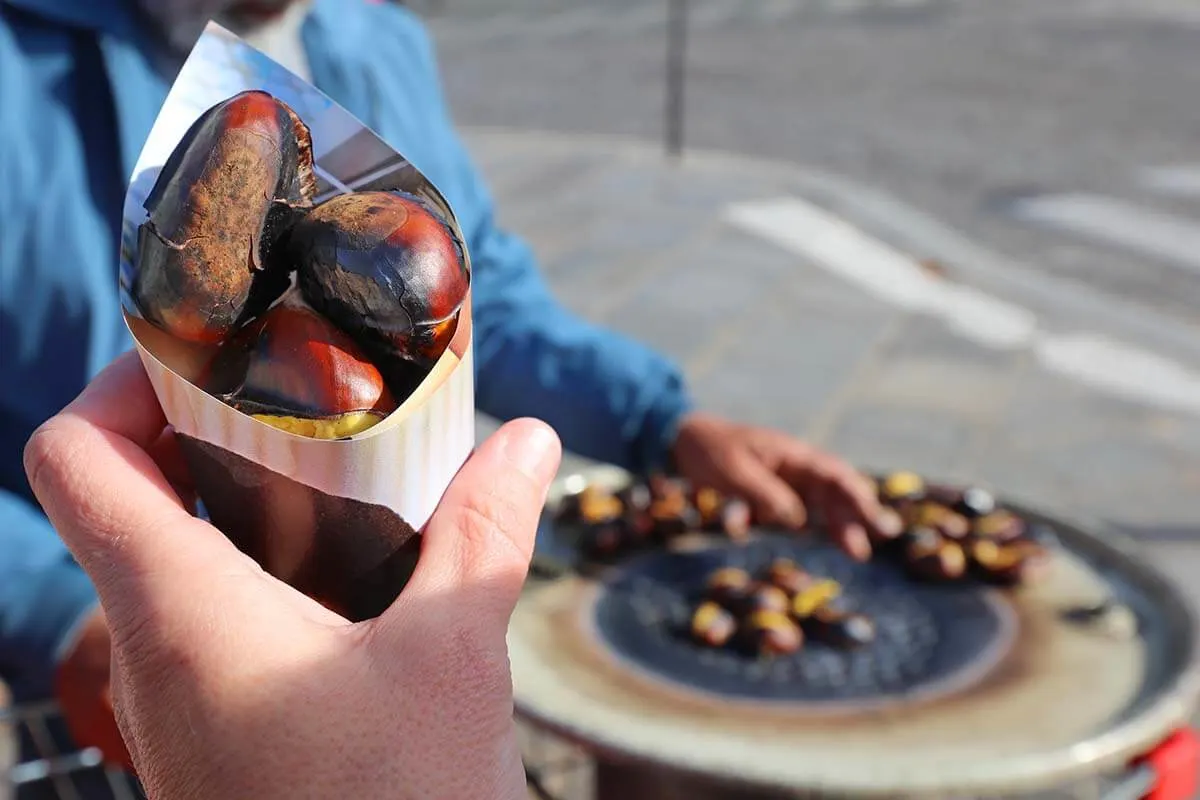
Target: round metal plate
x,y
1066,699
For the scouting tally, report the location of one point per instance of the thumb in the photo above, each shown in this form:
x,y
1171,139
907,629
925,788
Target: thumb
x,y
90,470
477,546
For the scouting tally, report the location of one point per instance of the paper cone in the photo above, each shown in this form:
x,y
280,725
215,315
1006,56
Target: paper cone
x,y
337,519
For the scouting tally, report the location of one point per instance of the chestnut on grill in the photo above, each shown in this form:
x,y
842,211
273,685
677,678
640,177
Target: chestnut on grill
x,y
937,516
761,597
1009,563
604,539
728,586
815,597
932,557
975,502
1001,526
713,625
207,254
840,628
901,486
635,496
596,505
673,516
386,268
716,512
770,633
294,370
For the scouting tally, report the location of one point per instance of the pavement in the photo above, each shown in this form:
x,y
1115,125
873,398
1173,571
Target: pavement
x,y
789,305
1060,134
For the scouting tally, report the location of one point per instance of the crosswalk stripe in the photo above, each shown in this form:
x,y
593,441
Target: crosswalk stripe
x,y
1162,236
833,244
1181,181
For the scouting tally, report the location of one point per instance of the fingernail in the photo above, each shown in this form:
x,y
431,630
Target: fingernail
x,y
534,450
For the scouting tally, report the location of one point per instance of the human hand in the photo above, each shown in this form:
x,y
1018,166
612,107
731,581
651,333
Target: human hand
x,y
785,480
228,683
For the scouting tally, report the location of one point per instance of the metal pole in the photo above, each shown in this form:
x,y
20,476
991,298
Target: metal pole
x,y
677,14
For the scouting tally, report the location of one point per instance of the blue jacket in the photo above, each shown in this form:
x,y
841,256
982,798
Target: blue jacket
x,y
78,95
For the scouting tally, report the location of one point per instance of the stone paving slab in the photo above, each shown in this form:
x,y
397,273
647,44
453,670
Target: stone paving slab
x,y
637,243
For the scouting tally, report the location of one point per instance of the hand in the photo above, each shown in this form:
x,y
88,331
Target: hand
x,y
228,683
785,480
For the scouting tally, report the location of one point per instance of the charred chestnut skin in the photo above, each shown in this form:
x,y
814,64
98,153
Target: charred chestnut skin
x,y
386,268
291,364
234,184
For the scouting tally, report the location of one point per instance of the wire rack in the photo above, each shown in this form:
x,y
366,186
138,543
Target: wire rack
x,y
48,767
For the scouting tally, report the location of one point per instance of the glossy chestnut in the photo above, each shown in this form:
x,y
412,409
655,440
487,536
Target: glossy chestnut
x,y
207,253
814,597
386,268
932,557
712,625
597,505
294,370
728,585
1009,563
975,502
761,597
1001,526
945,521
901,485
673,516
771,633
839,628
604,539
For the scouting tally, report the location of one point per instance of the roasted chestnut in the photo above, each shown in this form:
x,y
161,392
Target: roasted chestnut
x,y
728,586
636,497
1008,563
762,597
840,628
937,516
596,505
713,625
604,539
771,633
1002,526
814,597
932,557
665,487
900,486
720,514
294,370
673,516
975,502
386,268
206,258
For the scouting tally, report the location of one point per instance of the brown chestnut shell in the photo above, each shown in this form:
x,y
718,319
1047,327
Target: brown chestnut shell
x,y
233,185
386,268
292,364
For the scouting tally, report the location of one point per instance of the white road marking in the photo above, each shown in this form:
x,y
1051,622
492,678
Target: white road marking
x,y
1097,361
1182,180
1152,233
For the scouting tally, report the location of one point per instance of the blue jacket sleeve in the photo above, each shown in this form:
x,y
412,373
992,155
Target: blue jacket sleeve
x,y
610,398
44,595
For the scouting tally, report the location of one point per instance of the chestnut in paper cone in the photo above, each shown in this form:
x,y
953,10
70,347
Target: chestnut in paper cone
x,y
294,370
386,269
230,188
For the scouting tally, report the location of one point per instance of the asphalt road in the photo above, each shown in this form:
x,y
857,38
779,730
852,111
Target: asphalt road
x,y
1038,130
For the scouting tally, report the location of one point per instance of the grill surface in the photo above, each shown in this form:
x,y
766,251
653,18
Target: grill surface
x,y
929,639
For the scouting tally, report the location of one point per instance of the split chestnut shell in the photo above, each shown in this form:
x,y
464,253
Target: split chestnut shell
x,y
294,370
216,211
385,268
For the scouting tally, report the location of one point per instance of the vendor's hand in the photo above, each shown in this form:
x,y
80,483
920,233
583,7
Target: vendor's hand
x,y
81,686
228,683
785,480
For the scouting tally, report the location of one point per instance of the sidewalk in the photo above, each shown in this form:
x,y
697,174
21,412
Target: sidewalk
x,y
630,240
